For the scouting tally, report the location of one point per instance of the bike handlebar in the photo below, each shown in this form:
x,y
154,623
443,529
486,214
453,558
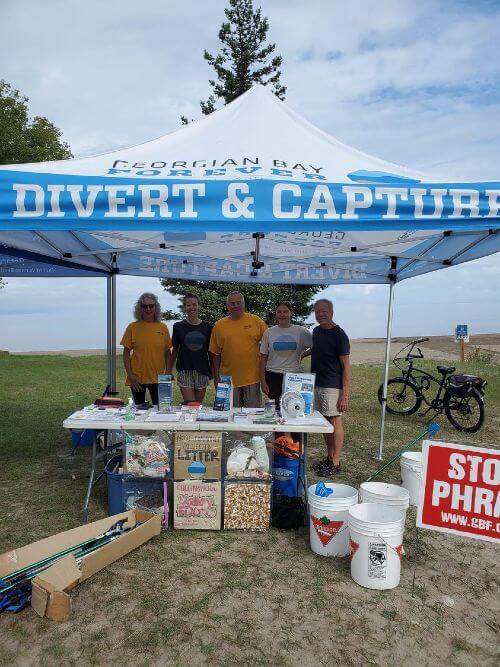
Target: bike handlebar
x,y
409,354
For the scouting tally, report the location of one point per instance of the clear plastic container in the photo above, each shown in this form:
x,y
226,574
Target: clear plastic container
x,y
247,505
248,456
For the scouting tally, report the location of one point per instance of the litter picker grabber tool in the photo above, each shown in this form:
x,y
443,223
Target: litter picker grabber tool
x,y
15,589
431,430
116,529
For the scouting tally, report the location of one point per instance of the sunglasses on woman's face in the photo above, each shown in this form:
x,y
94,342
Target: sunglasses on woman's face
x,y
147,305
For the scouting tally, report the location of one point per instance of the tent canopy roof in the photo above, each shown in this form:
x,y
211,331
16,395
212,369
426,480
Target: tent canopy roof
x,y
251,193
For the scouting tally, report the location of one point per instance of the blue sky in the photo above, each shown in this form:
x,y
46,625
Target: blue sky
x,y
413,83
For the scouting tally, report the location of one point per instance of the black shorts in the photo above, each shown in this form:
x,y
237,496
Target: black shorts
x,y
140,396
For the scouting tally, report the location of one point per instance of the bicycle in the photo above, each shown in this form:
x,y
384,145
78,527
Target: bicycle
x,y
460,397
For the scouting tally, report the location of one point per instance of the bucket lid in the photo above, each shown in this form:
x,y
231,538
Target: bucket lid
x,y
376,513
385,491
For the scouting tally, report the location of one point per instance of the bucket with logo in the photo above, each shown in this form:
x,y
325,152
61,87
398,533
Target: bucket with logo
x,y
328,514
376,541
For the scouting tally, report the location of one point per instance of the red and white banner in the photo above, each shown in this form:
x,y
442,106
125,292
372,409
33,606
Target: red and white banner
x,y
460,490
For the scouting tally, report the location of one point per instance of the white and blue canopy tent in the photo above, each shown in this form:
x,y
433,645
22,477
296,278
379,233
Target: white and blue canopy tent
x,y
251,193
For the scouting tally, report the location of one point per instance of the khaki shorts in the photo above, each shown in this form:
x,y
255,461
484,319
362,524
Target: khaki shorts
x,y
325,401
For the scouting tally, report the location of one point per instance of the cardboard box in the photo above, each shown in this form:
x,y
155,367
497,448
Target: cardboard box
x,y
50,588
197,455
197,505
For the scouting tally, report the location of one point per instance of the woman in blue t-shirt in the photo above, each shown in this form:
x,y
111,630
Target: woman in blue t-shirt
x,y
190,340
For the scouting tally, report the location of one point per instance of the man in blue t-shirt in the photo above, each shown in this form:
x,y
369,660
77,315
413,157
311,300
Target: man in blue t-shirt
x,y
330,361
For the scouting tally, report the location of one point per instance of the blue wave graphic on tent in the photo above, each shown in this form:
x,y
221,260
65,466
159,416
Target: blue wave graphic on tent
x,y
365,176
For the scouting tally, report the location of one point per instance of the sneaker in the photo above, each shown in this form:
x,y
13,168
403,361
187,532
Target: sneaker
x,y
320,464
328,469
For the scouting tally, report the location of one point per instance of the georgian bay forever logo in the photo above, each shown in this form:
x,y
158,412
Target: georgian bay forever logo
x,y
245,166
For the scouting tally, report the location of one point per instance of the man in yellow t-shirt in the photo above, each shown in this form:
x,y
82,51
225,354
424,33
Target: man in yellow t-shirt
x,y
235,346
146,349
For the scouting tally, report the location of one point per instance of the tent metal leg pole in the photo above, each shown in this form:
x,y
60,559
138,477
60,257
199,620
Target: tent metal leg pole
x,y
111,332
386,370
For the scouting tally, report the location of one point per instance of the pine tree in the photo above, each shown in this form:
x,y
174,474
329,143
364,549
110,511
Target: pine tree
x,y
244,60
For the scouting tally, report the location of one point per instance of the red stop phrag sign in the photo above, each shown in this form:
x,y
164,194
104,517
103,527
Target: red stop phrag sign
x,y
461,490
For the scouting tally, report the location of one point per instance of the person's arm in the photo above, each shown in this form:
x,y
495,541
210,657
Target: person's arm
x,y
343,402
170,359
263,384
215,350
215,368
134,380
307,343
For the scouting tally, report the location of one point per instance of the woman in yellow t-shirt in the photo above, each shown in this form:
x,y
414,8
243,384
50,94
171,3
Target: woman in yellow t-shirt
x,y
146,349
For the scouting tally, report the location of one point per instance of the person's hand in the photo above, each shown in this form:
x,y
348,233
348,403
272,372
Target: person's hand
x,y
134,382
216,380
265,388
343,402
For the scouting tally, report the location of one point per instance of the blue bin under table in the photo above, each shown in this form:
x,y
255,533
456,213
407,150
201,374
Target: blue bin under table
x,y
82,438
125,490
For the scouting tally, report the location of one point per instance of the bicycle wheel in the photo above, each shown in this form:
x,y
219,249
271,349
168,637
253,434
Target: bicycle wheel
x,y
465,413
402,397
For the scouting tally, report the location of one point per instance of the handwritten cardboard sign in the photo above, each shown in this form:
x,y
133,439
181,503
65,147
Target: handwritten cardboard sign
x,y
197,455
197,505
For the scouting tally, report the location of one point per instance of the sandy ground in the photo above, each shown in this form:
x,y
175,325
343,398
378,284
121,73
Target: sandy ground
x,y
191,598
364,351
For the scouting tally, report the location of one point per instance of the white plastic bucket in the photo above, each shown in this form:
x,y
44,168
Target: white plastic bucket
x,y
411,475
376,540
391,495
328,529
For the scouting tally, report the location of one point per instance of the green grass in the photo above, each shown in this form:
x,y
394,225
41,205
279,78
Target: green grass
x,y
232,598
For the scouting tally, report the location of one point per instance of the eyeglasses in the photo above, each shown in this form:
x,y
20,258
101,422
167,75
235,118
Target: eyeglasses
x,y
148,305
